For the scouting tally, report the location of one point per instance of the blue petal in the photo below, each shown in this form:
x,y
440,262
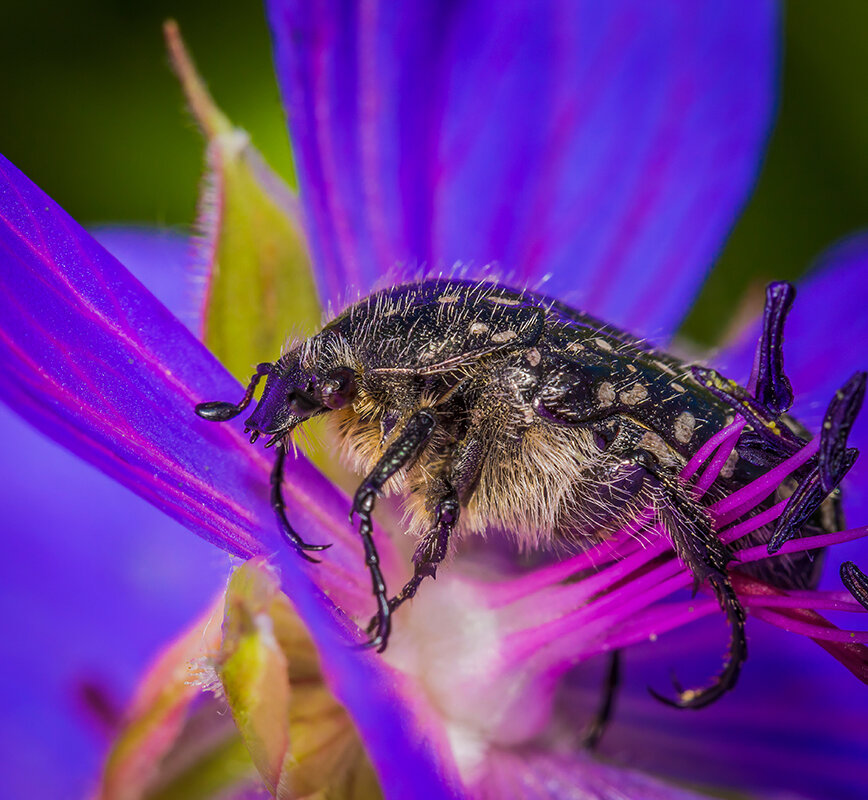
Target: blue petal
x,y
89,595
795,723
96,582
89,356
601,148
160,259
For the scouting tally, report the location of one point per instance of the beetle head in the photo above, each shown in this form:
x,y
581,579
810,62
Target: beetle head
x,y
294,394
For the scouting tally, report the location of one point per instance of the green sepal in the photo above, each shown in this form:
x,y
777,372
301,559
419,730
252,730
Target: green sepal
x,y
252,254
300,738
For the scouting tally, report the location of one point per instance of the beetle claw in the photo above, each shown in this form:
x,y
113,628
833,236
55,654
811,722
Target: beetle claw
x,y
726,680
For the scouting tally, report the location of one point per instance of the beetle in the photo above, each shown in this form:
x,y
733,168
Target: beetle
x,y
489,406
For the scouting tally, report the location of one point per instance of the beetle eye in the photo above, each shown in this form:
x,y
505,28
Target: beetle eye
x,y
339,388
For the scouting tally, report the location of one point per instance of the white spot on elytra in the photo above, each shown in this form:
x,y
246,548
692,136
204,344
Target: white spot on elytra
x,y
728,468
603,344
503,336
606,394
635,394
448,298
678,387
503,301
533,356
478,328
684,425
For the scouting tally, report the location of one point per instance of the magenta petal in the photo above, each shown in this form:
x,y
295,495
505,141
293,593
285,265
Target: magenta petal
x,y
825,342
90,357
604,148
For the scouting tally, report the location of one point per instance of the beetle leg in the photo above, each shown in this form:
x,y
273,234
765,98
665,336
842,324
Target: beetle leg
x,y
699,548
433,547
463,473
735,656
445,498
279,506
402,450
600,721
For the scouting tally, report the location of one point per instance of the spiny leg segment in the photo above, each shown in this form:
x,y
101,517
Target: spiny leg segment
x,y
693,537
399,454
457,481
698,546
431,551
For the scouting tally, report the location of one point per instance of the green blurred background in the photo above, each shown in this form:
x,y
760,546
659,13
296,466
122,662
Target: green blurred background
x,y
92,112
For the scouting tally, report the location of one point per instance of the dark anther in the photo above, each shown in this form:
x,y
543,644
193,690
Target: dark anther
x,y
773,389
758,450
800,507
726,680
834,460
764,423
221,411
805,501
856,582
840,416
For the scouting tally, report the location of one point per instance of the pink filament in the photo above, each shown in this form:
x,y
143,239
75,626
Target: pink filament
x,y
818,600
747,497
797,545
752,524
553,625
506,592
828,634
709,476
701,455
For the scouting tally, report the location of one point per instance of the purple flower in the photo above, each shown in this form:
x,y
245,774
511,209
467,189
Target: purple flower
x,y
601,151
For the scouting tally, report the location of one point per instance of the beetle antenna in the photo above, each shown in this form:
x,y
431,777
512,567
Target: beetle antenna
x,y
221,411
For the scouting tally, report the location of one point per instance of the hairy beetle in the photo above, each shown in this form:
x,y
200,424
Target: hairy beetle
x,y
490,406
